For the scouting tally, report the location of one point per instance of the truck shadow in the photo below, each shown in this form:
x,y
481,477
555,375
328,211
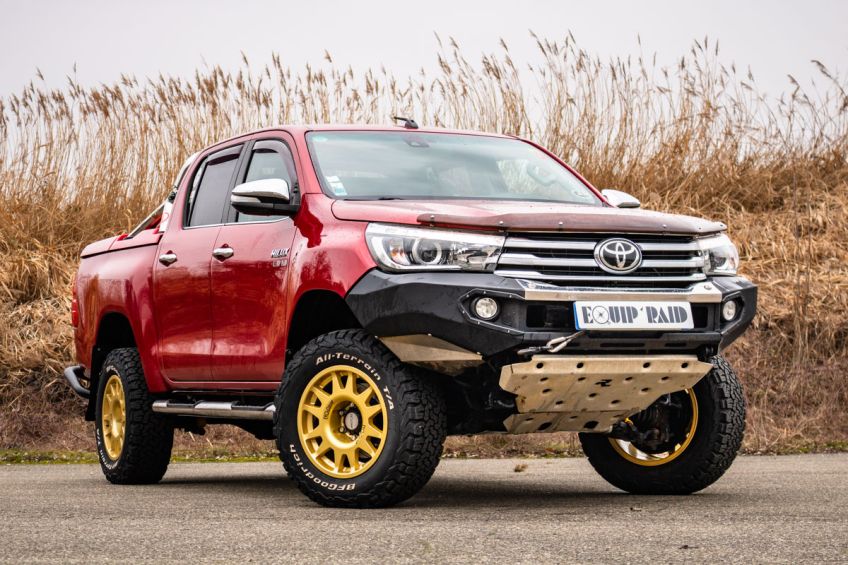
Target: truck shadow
x,y
529,495
443,493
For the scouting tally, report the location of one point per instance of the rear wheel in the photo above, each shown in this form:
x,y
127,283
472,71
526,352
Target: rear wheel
x,y
681,444
355,427
133,442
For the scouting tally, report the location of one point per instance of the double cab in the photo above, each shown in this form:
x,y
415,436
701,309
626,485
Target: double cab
x,y
358,293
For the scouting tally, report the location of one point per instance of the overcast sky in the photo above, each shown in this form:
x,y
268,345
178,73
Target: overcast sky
x,y
107,38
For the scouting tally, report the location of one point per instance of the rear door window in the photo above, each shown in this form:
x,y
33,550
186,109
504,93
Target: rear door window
x,y
210,187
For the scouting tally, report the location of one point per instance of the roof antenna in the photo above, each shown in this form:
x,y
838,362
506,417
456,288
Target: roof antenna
x,y
408,123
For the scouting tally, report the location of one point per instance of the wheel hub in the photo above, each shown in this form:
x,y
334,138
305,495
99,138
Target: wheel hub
x,y
660,433
352,421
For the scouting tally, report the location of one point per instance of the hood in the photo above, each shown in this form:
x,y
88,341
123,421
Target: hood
x,y
520,216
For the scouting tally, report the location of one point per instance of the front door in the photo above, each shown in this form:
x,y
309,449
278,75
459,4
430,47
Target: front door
x,y
181,275
249,275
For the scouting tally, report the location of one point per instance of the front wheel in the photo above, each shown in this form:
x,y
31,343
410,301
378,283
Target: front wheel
x,y
355,427
682,443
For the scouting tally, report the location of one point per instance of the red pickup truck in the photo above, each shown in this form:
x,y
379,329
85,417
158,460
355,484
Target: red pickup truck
x,y
359,293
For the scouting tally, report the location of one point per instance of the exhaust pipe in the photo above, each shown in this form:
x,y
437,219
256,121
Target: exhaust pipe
x,y
209,409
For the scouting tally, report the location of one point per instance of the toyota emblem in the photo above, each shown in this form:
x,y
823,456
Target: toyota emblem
x,y
618,256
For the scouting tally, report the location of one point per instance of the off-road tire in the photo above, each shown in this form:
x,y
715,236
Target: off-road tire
x,y
718,436
417,423
148,436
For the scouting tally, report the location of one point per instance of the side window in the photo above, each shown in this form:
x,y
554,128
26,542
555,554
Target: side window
x,y
210,188
269,159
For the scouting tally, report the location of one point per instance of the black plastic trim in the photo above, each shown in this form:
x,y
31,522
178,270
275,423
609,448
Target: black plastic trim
x,y
391,304
736,288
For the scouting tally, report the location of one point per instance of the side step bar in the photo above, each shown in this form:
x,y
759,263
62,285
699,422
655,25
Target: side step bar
x,y
209,409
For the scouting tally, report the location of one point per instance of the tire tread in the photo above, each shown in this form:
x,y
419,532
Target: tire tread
x,y
679,476
149,436
423,434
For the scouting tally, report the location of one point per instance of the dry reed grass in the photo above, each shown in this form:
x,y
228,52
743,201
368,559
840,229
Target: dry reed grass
x,y
78,164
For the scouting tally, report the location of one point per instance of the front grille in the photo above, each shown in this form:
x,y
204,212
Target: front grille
x,y
568,259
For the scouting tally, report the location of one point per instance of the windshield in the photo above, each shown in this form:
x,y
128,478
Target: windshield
x,y
360,165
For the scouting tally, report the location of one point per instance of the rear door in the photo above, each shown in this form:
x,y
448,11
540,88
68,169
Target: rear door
x,y
181,275
249,276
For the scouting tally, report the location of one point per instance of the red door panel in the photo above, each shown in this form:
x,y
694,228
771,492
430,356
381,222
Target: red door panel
x,y
249,301
182,299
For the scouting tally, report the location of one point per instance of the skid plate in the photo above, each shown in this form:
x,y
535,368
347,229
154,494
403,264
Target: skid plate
x,y
591,393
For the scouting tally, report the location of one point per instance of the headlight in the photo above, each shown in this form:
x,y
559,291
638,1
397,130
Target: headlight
x,y
398,248
720,255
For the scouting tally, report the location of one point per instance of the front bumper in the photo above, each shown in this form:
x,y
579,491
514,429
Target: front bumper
x,y
439,305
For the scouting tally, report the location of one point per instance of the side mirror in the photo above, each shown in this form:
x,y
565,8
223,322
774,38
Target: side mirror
x,y
265,197
620,199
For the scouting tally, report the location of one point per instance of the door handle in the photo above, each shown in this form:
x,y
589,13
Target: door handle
x,y
167,258
222,253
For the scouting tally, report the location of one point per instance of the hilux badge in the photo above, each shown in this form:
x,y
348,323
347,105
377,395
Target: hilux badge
x,y
280,257
618,256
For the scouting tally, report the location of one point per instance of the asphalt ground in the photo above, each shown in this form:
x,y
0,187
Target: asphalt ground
x,y
786,509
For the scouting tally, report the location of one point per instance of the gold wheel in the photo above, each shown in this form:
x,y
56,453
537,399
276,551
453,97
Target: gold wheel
x,y
113,419
342,421
635,455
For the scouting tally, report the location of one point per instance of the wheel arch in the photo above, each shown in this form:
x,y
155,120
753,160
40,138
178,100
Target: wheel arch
x,y
114,330
317,312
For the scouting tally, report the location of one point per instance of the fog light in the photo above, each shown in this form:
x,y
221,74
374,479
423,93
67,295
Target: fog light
x,y
486,308
728,310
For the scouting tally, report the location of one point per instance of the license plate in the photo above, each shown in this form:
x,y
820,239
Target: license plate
x,y
629,315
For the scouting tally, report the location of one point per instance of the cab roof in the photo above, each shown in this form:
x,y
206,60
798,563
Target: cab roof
x,y
366,127
302,129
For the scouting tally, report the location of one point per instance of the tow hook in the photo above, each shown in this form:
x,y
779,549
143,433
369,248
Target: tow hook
x,y
553,346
